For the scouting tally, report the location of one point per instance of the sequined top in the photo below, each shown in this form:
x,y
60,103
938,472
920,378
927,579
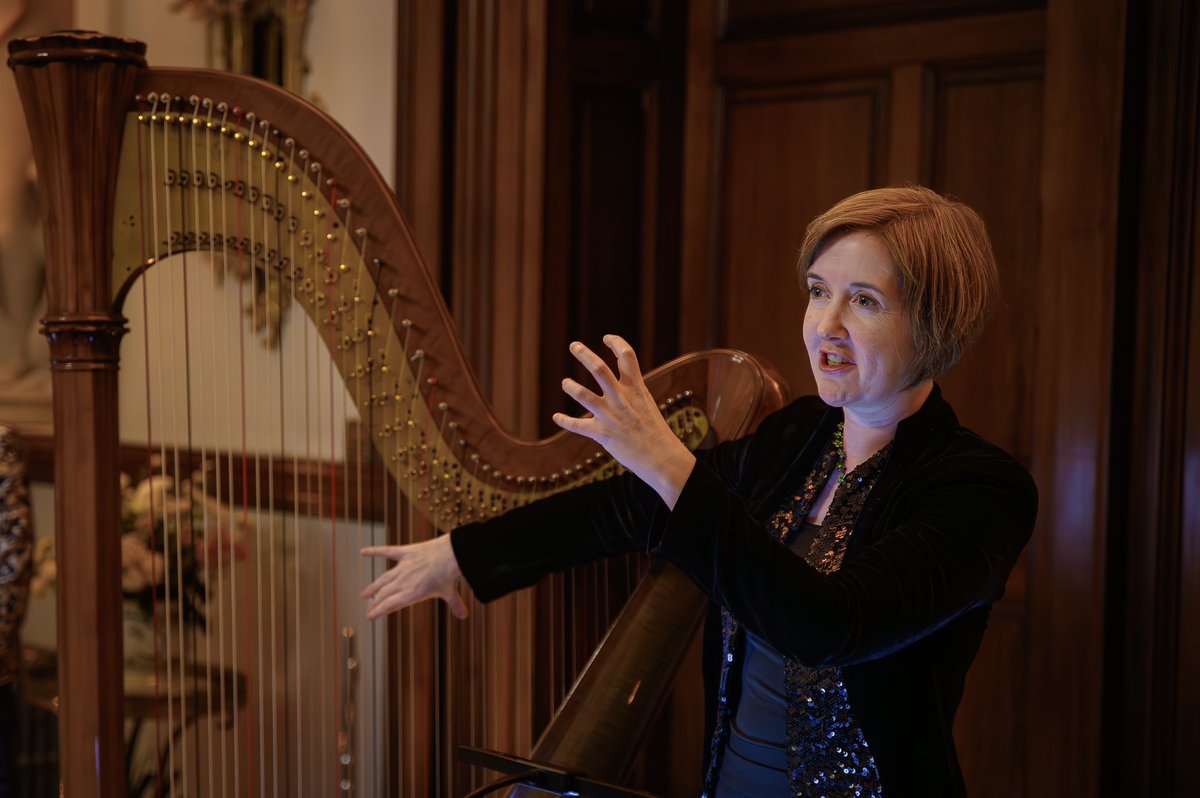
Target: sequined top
x,y
755,759
827,754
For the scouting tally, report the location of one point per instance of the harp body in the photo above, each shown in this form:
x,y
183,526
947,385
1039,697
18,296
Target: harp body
x,y
181,176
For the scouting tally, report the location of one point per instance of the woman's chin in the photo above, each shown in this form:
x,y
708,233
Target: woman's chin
x,y
832,395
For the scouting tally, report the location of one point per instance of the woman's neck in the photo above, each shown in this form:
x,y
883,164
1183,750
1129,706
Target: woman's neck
x,y
866,433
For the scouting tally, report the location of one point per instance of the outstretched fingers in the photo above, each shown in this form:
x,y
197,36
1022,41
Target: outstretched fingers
x,y
396,553
422,571
580,426
596,367
589,400
627,362
389,602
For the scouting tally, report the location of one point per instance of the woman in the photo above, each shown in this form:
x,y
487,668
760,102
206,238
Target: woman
x,y
853,544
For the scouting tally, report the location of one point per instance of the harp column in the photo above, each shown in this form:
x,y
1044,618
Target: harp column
x,y
75,88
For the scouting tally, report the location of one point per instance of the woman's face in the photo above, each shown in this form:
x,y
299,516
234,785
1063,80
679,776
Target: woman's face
x,y
856,329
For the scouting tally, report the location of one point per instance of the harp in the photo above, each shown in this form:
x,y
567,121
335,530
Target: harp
x,y
257,252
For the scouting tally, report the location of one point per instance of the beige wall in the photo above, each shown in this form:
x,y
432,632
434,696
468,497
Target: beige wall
x,y
351,47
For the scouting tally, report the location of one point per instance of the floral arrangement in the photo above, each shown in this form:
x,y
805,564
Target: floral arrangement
x,y
173,535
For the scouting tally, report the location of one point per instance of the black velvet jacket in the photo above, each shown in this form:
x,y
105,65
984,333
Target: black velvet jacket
x,y
903,617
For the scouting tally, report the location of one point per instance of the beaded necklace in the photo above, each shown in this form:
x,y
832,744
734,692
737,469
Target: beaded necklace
x,y
839,448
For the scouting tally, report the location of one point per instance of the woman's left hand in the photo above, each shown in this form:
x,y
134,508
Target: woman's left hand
x,y
626,420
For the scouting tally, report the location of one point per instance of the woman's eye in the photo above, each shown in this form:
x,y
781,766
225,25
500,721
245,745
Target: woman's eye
x,y
865,301
816,291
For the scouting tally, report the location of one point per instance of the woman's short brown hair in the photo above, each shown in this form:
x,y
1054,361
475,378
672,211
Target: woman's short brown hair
x,y
947,269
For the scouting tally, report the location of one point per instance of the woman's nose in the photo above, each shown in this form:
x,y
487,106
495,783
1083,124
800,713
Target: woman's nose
x,y
830,325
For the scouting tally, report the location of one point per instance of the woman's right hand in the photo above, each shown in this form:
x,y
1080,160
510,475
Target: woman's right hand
x,y
423,570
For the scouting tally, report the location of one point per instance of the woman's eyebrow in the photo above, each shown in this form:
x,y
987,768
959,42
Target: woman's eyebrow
x,y
811,275
868,286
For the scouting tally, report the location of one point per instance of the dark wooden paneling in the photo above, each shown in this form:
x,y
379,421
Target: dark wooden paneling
x,y
764,18
1152,648
628,17
1187,698
985,148
989,727
608,213
420,118
614,116
1081,153
845,53
789,154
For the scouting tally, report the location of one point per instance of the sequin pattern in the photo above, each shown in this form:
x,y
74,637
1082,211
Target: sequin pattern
x,y
827,753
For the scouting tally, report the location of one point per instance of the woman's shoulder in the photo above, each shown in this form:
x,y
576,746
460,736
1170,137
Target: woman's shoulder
x,y
961,458
934,447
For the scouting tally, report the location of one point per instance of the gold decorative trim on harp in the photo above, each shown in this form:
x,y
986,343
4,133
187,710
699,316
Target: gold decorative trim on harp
x,y
230,177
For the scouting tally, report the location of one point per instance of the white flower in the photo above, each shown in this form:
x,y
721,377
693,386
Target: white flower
x,y
155,494
140,567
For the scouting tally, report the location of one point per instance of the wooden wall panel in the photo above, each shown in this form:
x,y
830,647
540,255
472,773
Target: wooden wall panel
x,y
1150,732
780,57
607,216
419,123
614,119
1186,690
757,18
986,150
984,147
989,729
1081,148
789,154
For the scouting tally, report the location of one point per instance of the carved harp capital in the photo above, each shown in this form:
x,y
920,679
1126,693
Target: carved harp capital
x,y
76,45
75,88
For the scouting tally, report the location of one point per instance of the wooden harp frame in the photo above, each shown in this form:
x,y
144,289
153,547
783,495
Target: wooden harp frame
x,y
82,92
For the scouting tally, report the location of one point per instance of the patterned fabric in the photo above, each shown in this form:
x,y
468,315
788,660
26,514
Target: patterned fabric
x,y
827,753
16,549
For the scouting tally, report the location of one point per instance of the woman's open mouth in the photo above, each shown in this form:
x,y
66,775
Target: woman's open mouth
x,y
831,361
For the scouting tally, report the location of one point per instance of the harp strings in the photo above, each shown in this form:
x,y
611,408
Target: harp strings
x,y
301,377
206,523
144,251
227,614
260,209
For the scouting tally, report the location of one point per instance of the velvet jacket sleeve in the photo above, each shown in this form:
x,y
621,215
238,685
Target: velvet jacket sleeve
x,y
939,535
605,518
577,526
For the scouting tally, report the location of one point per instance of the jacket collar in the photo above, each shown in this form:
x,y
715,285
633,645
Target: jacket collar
x,y
913,434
